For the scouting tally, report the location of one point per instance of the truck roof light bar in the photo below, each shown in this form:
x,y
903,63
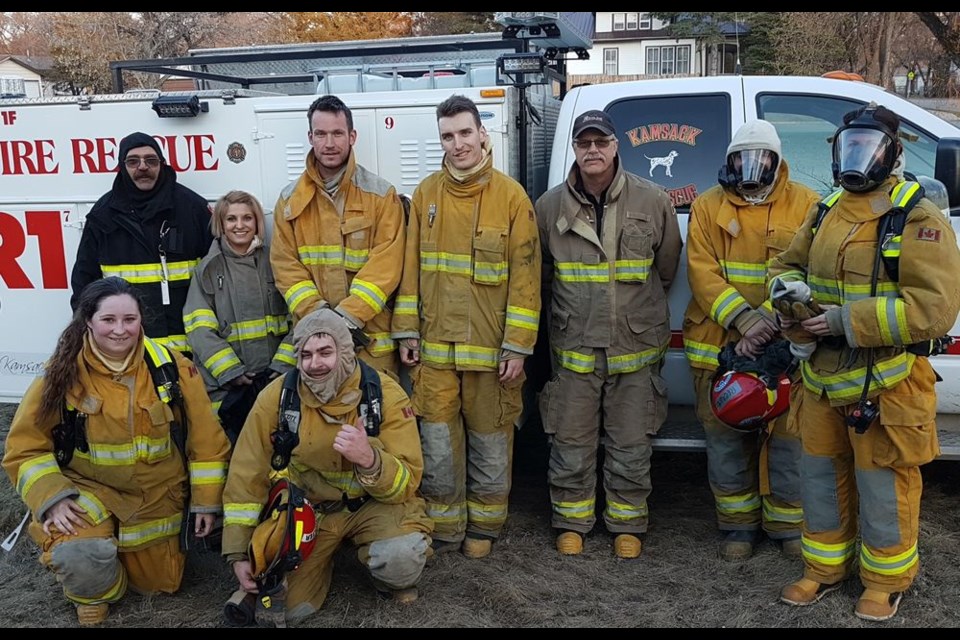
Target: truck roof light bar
x,y
173,106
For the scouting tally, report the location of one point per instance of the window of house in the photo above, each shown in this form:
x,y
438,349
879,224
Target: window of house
x,y
618,20
668,61
611,59
645,21
653,61
632,21
728,58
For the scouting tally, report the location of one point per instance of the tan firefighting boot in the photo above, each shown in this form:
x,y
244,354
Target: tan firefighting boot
x,y
570,543
878,606
90,614
627,546
476,547
805,592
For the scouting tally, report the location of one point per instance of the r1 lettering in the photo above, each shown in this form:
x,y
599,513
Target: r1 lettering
x,y
46,227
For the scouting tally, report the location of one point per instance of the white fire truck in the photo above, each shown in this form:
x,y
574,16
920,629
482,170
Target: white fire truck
x,y
58,155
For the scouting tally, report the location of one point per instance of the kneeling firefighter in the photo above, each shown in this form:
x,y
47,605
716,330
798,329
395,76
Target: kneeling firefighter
x,y
347,437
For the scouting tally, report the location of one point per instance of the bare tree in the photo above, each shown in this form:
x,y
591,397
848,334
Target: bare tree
x,y
327,26
945,27
24,33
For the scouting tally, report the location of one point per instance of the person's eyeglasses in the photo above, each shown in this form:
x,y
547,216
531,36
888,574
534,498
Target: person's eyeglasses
x,y
151,161
602,143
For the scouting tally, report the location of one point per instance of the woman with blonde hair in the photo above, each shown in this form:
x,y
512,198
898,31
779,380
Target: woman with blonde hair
x,y
237,323
110,462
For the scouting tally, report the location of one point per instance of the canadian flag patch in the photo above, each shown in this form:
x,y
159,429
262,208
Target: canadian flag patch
x,y
408,412
928,234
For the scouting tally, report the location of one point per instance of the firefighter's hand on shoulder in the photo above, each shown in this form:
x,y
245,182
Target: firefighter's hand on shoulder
x,y
66,516
352,444
242,569
828,323
410,351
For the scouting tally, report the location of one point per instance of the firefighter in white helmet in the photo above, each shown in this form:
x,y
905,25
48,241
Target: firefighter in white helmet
x,y
734,229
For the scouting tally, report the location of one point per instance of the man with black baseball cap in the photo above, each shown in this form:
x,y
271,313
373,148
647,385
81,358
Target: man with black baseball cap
x,y
611,246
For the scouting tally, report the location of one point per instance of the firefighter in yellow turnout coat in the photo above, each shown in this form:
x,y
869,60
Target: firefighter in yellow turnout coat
x,y
735,228
109,517
364,488
467,314
338,235
868,408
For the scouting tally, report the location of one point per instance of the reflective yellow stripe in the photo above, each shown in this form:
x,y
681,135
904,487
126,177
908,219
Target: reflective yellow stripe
x,y
488,513
34,469
354,259
789,515
242,513
150,272
889,565
370,293
892,319
286,354
522,318
575,510
221,361
382,344
623,512
832,555
701,353
446,513
848,385
744,503
578,362
299,292
206,473
176,342
321,254
744,272
582,272
406,306
632,270
136,535
727,306
400,481
444,262
490,272
201,318
630,362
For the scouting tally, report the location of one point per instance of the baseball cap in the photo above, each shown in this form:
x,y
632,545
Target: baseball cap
x,y
594,119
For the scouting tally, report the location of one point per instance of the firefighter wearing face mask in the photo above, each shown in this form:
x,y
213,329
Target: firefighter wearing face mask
x,y
868,404
735,228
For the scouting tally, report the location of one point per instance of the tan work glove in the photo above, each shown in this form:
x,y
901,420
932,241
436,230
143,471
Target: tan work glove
x,y
794,300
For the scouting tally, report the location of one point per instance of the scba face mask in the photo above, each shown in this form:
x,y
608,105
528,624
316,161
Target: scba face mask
x,y
753,171
863,158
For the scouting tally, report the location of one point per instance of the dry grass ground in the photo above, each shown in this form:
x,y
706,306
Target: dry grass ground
x,y
677,582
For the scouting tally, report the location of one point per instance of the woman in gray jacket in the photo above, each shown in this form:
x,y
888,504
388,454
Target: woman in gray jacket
x,y
237,323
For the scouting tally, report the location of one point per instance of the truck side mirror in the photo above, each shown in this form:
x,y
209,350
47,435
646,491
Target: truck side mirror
x,y
947,170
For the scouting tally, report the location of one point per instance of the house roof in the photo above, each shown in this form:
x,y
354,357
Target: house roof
x,y
38,64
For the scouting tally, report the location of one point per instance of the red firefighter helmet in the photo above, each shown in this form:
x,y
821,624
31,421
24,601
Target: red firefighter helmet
x,y
742,400
286,534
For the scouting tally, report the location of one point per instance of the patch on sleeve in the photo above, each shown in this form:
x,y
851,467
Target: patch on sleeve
x,y
928,234
408,412
193,371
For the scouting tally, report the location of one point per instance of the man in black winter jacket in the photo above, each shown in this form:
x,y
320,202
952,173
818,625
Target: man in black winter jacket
x,y
149,230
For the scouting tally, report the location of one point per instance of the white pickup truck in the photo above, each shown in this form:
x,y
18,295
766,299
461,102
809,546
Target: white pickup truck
x,y
676,131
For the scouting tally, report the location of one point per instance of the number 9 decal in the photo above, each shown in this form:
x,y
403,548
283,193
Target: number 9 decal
x,y
388,122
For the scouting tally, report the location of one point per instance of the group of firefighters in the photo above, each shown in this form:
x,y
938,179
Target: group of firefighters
x,y
809,331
